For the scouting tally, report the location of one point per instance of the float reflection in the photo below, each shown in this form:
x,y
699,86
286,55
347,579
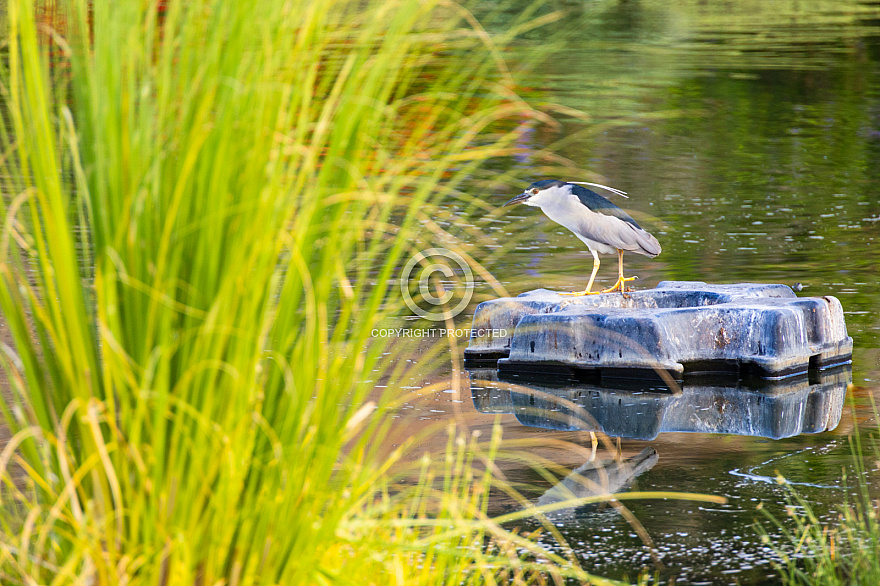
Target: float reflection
x,y
776,410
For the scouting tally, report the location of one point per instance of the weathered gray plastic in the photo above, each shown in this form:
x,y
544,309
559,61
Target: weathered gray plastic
x,y
779,409
679,327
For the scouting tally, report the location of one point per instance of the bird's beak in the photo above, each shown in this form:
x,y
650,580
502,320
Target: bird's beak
x,y
518,199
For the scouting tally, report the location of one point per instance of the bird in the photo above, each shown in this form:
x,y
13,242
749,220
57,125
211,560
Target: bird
x,y
601,225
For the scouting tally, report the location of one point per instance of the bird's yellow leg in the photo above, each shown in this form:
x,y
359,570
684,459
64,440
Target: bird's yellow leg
x,y
588,291
621,280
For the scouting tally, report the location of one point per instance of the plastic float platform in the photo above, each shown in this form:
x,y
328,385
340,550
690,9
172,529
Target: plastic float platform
x,y
677,329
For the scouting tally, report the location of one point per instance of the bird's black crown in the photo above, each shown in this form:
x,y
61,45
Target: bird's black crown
x,y
545,184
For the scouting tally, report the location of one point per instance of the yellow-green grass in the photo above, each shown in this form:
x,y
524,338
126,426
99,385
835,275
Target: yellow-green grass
x,y
845,550
203,210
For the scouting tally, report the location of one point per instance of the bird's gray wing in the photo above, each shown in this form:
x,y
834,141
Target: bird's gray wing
x,y
599,204
621,232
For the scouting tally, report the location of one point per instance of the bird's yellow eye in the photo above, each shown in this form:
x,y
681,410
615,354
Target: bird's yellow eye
x,y
534,192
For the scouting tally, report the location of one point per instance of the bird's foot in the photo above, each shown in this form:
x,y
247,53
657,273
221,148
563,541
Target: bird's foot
x,y
620,285
580,293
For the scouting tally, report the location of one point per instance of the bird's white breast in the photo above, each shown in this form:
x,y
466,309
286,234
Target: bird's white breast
x,y
564,208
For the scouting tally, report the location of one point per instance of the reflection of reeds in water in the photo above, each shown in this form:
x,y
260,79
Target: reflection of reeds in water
x,y
826,549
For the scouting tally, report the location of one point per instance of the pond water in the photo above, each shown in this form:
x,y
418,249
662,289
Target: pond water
x,y
747,135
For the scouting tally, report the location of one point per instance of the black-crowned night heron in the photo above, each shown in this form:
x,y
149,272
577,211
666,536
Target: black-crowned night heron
x,y
600,224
